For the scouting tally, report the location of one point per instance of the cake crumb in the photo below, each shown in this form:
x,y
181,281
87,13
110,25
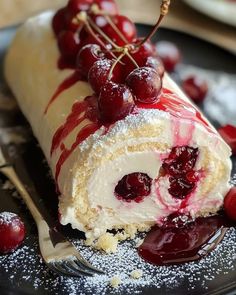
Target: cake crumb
x,y
107,242
136,274
89,242
115,282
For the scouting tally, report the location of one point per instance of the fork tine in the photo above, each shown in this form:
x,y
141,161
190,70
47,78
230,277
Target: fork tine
x,y
55,267
63,268
76,268
81,262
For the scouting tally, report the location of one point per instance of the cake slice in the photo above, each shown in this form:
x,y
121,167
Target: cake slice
x,y
157,157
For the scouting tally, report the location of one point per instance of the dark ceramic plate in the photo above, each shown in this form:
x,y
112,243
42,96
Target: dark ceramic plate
x,y
195,52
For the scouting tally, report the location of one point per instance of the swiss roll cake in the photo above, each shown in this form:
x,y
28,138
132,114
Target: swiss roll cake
x,y
130,173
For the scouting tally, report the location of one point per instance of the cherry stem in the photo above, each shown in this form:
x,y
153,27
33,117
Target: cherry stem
x,y
82,18
132,59
164,10
115,28
115,63
96,10
96,28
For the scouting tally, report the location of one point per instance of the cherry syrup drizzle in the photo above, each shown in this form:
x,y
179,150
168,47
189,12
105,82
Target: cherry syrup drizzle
x,y
171,103
66,84
176,243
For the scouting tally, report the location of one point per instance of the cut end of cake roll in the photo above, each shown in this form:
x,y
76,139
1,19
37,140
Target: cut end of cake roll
x,y
143,169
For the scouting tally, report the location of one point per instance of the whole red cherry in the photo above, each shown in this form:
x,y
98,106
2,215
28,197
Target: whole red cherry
x,y
115,102
169,54
69,44
156,64
124,25
139,54
87,56
145,84
98,74
76,6
230,204
58,21
228,133
108,6
196,88
12,232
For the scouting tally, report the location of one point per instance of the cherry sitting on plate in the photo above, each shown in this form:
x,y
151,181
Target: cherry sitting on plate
x,y
196,88
12,232
115,102
145,84
169,54
230,204
228,133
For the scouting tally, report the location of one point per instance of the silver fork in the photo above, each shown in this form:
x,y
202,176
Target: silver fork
x,y
58,253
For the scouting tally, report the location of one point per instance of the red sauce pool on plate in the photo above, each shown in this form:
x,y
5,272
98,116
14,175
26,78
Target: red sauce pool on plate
x,y
170,245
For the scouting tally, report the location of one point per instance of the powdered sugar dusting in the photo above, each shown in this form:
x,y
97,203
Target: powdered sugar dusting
x,y
7,217
233,180
25,266
131,122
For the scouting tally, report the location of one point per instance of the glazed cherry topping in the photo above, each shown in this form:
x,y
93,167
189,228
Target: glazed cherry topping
x,y
12,232
145,84
156,64
196,88
115,102
58,21
143,52
98,74
169,54
180,167
75,6
87,56
69,44
126,28
133,187
230,204
140,55
109,6
228,133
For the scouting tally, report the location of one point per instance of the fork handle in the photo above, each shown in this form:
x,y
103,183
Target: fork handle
x,y
10,173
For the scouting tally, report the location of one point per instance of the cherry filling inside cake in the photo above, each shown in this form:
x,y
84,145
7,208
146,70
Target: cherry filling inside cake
x,y
133,187
178,166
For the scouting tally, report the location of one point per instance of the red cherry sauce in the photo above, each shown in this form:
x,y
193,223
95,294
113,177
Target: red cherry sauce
x,y
177,107
174,244
87,109
66,84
